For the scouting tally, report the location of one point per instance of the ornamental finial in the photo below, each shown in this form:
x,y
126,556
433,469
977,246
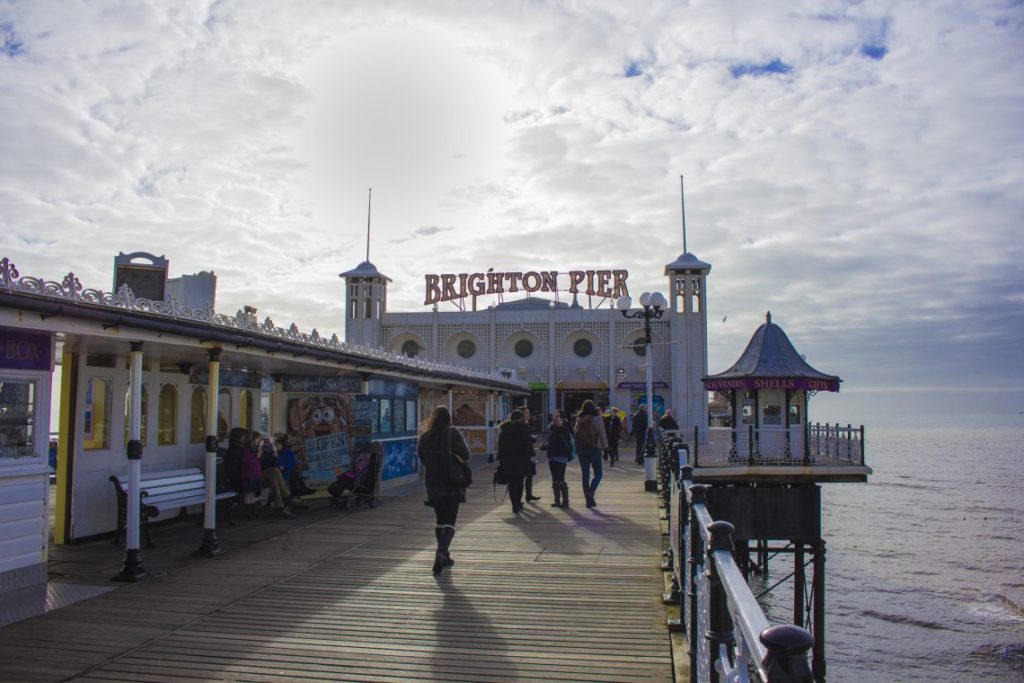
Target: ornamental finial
x,y
768,318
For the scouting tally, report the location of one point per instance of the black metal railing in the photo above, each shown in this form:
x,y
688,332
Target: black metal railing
x,y
729,636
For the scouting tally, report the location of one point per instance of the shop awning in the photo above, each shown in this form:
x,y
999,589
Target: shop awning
x,y
581,386
537,386
642,385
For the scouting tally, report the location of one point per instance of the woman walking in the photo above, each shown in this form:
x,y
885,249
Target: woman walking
x,y
438,443
559,453
591,441
515,455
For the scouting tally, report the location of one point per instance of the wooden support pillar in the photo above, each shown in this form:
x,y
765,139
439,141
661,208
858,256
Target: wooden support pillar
x,y
799,583
818,651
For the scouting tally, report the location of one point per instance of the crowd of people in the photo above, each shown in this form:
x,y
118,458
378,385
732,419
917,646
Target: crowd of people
x,y
590,435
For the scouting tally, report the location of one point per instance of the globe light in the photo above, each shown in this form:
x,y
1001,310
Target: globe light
x,y
623,303
645,299
658,300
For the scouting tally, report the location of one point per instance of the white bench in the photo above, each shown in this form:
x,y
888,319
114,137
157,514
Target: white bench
x,y
162,491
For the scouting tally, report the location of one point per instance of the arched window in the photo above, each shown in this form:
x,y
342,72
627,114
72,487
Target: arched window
x,y
96,415
524,348
197,423
246,419
640,347
223,414
145,412
167,416
582,348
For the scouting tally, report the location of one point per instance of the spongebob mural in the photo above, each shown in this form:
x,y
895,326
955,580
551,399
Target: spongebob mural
x,y
319,429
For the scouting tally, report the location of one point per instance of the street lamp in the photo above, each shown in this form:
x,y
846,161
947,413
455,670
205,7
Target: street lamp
x,y
653,308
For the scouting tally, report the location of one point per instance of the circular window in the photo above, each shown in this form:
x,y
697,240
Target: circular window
x,y
639,348
582,348
466,348
524,348
411,349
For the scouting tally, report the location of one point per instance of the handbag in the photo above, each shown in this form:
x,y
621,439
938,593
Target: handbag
x,y
500,478
455,472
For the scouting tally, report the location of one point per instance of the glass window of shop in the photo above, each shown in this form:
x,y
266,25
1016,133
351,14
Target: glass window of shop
x,y
197,423
411,421
167,416
223,414
17,418
96,415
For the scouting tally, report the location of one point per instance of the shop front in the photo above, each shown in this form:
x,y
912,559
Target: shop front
x,y
26,365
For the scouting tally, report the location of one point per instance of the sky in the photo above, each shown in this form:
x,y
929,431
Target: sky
x,y
856,168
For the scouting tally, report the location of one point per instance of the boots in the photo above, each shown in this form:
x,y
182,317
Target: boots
x,y
556,488
529,490
444,539
448,561
565,494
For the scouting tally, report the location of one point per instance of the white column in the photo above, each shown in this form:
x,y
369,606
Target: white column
x,y
210,546
650,479
132,569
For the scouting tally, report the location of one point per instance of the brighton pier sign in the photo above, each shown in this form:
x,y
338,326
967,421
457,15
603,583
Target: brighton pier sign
x,y
449,286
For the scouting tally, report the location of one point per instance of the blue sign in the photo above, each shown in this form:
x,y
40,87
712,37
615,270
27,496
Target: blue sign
x,y
400,458
392,387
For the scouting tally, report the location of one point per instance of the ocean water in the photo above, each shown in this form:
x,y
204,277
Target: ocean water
x,y
925,562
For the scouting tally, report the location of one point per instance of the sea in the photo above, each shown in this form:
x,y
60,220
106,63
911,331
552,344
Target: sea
x,y
925,562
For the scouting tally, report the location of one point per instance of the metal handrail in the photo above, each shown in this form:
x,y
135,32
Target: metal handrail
x,y
728,632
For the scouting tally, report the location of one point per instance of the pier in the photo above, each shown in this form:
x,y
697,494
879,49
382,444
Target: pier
x,y
558,595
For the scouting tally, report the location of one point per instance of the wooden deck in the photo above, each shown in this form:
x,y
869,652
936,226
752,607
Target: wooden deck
x,y
555,595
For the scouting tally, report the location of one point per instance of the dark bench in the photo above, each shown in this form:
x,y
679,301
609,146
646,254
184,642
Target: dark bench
x,y
162,491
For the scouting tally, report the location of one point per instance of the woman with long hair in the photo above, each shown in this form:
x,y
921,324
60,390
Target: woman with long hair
x,y
591,441
438,441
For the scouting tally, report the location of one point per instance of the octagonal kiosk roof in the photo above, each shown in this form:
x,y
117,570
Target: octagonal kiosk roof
x,y
771,362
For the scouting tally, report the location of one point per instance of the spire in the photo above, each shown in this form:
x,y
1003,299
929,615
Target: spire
x,y
682,200
370,201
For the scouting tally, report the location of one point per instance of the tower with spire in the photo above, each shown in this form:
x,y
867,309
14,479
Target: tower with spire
x,y
688,324
366,298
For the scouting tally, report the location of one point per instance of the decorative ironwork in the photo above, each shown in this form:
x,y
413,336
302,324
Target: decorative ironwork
x,y
70,289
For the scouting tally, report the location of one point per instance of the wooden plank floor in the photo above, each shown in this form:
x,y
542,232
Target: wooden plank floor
x,y
554,595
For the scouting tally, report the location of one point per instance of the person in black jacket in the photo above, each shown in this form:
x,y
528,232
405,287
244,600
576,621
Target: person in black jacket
x,y
559,453
516,455
440,440
667,421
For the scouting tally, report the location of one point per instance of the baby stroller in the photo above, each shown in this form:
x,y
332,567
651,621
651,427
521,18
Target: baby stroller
x,y
360,483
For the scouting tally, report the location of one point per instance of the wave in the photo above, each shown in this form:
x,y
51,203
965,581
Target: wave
x,y
910,621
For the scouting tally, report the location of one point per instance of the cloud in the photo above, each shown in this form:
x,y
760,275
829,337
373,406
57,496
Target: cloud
x,y
423,231
854,167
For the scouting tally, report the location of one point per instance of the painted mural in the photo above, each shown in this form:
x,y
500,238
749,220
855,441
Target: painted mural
x,y
320,431
399,458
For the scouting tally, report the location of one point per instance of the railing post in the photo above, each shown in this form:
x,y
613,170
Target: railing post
x,y
786,661
720,631
862,454
750,445
698,494
696,446
849,443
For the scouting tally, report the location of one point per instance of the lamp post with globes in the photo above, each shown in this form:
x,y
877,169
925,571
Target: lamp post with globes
x,y
653,307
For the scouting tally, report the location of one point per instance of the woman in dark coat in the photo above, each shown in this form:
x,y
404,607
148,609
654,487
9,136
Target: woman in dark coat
x,y
516,455
439,440
559,454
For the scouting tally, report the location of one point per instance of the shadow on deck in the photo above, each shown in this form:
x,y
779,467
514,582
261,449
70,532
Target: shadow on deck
x,y
555,595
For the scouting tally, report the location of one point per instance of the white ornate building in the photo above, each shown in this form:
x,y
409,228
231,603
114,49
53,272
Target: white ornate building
x,y
567,353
